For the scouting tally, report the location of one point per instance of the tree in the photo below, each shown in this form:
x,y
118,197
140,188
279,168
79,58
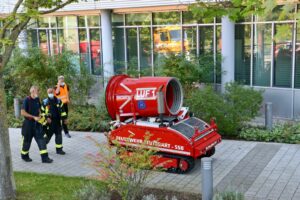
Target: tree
x,y
12,25
240,9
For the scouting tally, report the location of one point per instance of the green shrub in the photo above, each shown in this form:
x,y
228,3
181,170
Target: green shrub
x,y
285,133
123,172
88,118
81,118
231,110
190,70
35,67
229,195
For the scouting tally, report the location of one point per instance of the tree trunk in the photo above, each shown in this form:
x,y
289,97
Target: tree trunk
x,y
7,184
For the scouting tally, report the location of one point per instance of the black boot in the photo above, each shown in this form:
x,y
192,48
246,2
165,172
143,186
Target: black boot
x,y
60,151
46,159
68,135
26,158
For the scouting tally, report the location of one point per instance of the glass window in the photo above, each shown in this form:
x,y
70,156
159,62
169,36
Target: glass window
x,y
93,21
54,42
297,66
72,40
72,22
84,48
242,53
283,49
117,20
95,51
61,39
281,12
262,48
43,37
138,19
190,40
218,56
53,22
118,49
190,18
167,40
32,38
81,21
206,39
166,18
145,51
61,21
132,49
43,22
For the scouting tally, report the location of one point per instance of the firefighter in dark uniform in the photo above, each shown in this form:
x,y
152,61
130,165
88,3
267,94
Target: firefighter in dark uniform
x,y
53,110
32,126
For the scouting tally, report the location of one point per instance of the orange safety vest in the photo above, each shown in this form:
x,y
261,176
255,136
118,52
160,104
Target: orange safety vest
x,y
63,94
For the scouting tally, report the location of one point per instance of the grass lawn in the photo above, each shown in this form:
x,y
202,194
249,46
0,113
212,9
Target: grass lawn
x,y
43,187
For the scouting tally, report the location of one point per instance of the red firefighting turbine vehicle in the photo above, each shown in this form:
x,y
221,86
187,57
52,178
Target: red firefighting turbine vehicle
x,y
154,105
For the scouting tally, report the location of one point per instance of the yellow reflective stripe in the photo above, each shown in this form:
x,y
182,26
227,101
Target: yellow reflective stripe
x,y
42,120
42,108
22,142
43,151
24,152
47,110
63,114
58,145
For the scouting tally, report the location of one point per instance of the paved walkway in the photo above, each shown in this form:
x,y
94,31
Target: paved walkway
x,y
262,171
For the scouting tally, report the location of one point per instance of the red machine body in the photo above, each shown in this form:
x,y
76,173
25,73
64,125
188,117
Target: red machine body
x,y
179,138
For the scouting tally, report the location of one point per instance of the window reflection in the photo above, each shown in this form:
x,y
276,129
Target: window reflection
x,y
54,42
242,53
168,40
190,43
138,19
84,48
95,51
93,21
145,51
166,18
283,55
132,49
118,49
297,67
43,38
262,48
72,40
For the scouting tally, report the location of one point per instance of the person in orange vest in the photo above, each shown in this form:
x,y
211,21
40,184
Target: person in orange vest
x,y
62,92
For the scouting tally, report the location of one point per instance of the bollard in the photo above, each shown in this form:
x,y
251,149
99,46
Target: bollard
x,y
268,115
207,178
17,107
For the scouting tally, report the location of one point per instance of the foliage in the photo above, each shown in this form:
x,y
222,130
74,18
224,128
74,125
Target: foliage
x,y
35,67
229,195
81,118
88,118
284,133
231,110
49,187
123,169
90,191
190,70
240,9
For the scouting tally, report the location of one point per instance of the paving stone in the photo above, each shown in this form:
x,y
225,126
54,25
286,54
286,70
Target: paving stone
x,y
236,177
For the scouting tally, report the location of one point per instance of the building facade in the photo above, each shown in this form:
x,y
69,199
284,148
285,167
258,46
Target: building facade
x,y
113,37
